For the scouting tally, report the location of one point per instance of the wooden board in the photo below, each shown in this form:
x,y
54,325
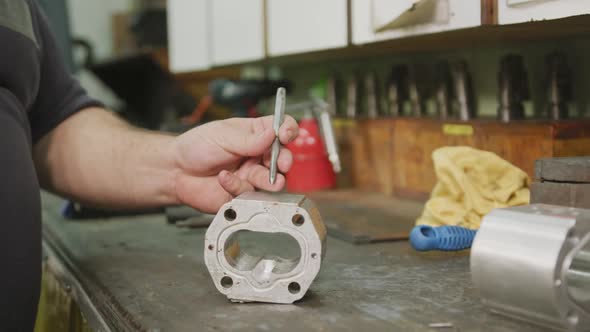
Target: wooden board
x,y
359,217
519,142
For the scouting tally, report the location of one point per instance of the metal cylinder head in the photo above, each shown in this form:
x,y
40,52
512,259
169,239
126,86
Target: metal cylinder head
x,y
247,276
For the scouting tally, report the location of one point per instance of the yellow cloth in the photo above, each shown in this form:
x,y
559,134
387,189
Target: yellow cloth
x,y
470,184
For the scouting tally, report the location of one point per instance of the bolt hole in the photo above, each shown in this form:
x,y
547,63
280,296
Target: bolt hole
x,y
314,255
230,214
210,247
572,318
298,220
227,282
294,288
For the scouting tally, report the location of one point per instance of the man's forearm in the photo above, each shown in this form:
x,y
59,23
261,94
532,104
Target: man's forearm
x,y
96,158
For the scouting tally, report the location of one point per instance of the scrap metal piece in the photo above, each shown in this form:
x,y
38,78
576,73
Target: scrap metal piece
x,y
244,276
533,263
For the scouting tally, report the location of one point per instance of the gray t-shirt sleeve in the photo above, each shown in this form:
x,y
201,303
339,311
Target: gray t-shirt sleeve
x,y
59,95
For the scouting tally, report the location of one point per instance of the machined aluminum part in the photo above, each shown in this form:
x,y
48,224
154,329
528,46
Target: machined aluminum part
x,y
244,276
533,263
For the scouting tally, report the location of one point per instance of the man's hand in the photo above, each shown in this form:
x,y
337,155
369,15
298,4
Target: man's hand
x,y
222,159
95,158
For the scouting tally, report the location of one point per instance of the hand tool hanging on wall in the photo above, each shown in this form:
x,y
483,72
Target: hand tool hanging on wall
x,y
372,95
512,88
332,94
397,89
443,89
416,90
463,90
352,97
559,85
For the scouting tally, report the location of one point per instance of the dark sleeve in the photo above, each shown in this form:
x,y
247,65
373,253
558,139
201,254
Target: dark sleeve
x,y
59,95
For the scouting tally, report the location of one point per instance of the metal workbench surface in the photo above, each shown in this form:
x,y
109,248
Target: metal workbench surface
x,y
138,273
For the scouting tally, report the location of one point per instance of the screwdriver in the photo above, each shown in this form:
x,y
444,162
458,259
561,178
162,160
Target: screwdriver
x,y
279,116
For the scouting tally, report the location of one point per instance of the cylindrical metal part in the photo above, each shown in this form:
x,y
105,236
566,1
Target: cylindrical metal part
x,y
397,90
372,95
559,85
332,95
530,262
414,93
462,86
512,88
442,90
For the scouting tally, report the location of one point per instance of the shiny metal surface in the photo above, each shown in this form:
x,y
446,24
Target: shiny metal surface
x,y
530,263
245,274
278,119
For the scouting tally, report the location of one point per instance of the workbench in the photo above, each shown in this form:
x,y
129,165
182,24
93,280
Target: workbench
x,y
139,273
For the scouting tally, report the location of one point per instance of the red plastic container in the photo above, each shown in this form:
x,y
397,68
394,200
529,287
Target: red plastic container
x,y
311,170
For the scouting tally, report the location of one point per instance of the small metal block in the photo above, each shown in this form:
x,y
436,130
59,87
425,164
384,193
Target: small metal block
x,y
243,277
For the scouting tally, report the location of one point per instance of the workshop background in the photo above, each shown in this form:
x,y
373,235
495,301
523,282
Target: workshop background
x,y
416,112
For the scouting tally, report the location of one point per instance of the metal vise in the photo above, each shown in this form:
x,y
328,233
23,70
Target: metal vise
x,y
245,276
533,263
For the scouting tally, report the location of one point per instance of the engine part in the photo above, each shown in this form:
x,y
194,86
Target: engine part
x,y
533,263
246,277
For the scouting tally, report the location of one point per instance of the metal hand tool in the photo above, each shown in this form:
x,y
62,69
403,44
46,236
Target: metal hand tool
x,y
277,122
446,238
